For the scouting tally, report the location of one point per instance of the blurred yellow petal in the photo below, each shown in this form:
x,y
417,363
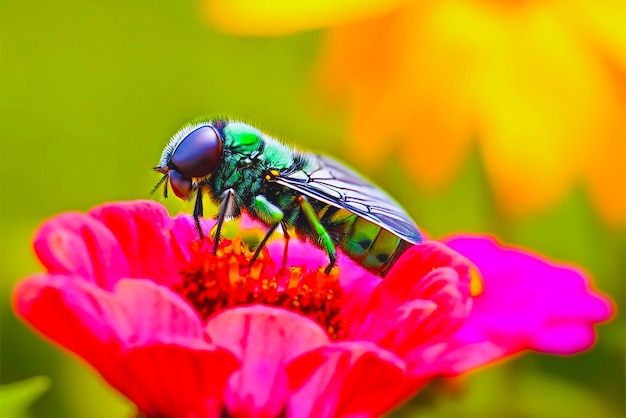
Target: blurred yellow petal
x,y
280,17
367,63
437,145
441,126
536,119
541,124
607,180
368,90
605,166
372,140
358,56
540,85
601,22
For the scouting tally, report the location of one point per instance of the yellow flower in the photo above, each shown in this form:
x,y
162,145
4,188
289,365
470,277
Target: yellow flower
x,y
538,85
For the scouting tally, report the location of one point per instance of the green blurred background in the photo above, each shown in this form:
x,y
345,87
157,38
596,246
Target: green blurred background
x,y
90,93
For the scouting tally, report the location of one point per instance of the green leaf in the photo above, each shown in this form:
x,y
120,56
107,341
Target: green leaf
x,y
16,397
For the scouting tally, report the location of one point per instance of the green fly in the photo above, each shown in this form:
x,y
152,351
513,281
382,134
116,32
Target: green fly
x,y
242,169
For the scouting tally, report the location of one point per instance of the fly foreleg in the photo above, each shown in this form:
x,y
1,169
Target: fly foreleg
x,y
324,239
270,214
198,212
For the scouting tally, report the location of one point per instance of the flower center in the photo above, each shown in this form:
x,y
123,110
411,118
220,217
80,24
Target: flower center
x,y
212,282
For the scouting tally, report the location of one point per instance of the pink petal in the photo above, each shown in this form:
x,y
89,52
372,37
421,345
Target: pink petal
x,y
299,254
265,339
358,286
145,312
143,232
528,302
77,244
247,222
450,358
345,379
184,234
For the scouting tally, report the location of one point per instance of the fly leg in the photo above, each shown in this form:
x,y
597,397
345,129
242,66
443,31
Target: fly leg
x,y
227,206
324,239
285,250
198,212
270,214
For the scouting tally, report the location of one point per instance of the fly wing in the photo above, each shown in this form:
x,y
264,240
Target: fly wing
x,y
331,182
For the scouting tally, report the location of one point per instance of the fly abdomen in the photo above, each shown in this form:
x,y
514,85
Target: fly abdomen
x,y
371,246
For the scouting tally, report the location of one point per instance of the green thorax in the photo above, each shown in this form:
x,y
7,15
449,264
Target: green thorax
x,y
246,141
247,156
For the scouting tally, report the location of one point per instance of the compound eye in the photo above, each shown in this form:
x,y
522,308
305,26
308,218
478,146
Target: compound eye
x,y
198,153
181,185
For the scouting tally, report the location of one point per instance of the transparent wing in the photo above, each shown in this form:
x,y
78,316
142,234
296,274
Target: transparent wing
x,y
331,182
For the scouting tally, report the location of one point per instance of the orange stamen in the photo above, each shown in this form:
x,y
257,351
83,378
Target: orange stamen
x,y
212,282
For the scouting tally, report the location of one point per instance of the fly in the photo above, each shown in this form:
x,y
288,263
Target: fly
x,y
243,170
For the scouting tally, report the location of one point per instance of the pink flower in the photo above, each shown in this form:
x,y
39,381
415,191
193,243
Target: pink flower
x,y
182,332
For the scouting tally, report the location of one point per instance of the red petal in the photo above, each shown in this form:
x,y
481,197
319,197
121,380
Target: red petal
x,y
264,339
175,381
100,326
70,312
137,312
143,232
345,379
416,263
423,300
